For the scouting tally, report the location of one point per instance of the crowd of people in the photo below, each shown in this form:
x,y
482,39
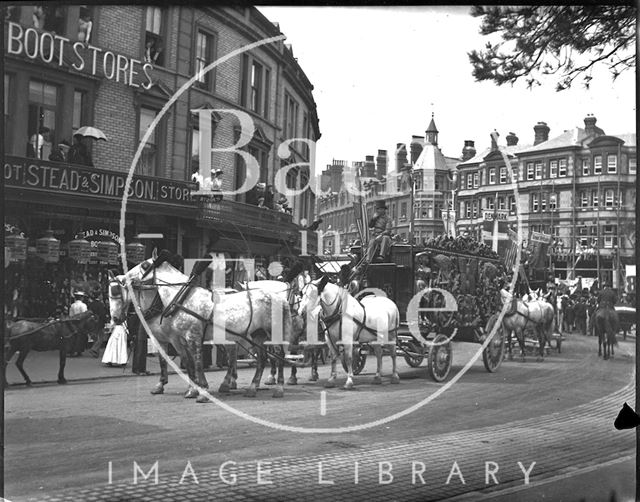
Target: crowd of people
x,y
77,153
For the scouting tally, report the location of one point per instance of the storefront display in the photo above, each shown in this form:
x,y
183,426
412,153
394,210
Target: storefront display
x,y
48,248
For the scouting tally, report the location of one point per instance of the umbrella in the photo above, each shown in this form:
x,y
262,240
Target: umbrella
x,y
91,132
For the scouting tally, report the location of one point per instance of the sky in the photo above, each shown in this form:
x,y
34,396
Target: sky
x,y
380,72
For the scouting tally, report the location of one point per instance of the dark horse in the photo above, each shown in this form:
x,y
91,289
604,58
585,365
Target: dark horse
x,y
606,325
59,334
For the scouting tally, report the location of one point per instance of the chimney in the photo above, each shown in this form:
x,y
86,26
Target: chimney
x,y
590,127
468,151
541,130
494,140
512,139
336,174
369,170
417,143
401,156
381,164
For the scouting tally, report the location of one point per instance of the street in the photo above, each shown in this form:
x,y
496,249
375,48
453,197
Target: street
x,y
529,421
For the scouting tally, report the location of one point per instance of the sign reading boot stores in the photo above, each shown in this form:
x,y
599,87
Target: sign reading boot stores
x,y
54,177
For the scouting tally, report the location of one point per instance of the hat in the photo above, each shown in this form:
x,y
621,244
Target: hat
x,y
216,171
380,204
79,293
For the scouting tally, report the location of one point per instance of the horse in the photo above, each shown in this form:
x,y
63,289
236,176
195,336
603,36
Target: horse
x,y
245,316
606,325
368,320
538,314
57,334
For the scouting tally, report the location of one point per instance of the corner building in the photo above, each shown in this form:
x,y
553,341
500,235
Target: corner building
x,y
115,68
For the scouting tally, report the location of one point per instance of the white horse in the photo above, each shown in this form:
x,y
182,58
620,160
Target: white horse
x,y
247,318
367,320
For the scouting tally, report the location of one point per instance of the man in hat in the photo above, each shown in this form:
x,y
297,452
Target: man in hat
x,y
78,306
216,184
379,234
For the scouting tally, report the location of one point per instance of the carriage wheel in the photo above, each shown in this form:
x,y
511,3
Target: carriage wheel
x,y
440,358
493,354
358,361
413,346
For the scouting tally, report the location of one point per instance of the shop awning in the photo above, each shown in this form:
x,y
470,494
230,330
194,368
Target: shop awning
x,y
331,267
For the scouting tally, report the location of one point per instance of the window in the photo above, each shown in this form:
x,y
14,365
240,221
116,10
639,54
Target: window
x,y
609,241
195,151
8,82
475,208
585,167
306,133
543,202
512,204
490,203
584,199
204,56
468,209
85,24
153,41
538,170
535,202
597,164
553,169
501,204
514,173
148,164
632,165
503,175
492,176
594,198
612,164
403,211
529,171
469,180
608,198
562,167
254,93
291,117
553,201
79,100
43,99
49,17
476,180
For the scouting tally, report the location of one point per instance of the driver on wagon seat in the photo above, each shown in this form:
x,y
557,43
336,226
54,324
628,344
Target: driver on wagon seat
x,y
379,234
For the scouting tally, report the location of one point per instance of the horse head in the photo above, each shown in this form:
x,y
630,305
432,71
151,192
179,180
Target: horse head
x,y
119,298
311,294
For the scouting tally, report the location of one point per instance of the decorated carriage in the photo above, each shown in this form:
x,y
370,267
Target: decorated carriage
x,y
446,291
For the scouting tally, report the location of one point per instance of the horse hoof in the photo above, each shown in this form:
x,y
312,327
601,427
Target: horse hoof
x,y
234,385
270,380
202,399
395,379
61,381
292,381
329,384
278,392
190,394
250,392
348,386
28,383
224,388
376,380
158,389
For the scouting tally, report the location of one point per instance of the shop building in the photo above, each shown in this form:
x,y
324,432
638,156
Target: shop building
x,y
115,68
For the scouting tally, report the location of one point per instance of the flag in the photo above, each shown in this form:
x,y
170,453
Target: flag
x,y
512,251
360,210
539,243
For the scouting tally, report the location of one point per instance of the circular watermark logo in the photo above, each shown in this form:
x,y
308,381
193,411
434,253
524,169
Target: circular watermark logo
x,y
275,269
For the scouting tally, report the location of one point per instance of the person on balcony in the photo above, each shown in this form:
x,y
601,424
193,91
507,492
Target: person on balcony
x,y
216,184
379,234
79,153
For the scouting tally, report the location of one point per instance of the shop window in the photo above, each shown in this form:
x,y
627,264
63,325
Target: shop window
x,y
562,168
529,171
43,100
476,180
148,164
254,93
553,169
612,164
597,164
535,202
204,56
503,175
154,36
538,170
492,176
632,165
609,198
291,116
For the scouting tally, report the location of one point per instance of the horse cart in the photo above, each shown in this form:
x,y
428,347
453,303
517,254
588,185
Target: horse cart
x,y
428,278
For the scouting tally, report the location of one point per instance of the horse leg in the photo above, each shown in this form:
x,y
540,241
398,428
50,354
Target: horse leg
x,y
64,347
229,381
314,364
271,379
348,356
377,350
9,351
293,379
164,373
279,390
190,363
252,390
542,343
520,337
395,378
331,382
19,361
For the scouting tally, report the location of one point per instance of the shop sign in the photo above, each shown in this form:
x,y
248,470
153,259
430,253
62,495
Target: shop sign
x,y
48,248
135,252
42,175
108,252
80,250
17,248
54,49
494,215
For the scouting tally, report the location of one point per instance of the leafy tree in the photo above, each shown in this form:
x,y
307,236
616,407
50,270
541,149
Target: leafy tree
x,y
566,41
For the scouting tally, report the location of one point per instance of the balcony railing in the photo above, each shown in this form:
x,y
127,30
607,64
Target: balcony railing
x,y
247,217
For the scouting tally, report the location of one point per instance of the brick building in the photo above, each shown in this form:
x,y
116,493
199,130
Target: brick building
x,y
116,68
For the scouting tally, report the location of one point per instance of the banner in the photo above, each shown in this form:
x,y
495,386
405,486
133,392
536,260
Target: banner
x,y
538,245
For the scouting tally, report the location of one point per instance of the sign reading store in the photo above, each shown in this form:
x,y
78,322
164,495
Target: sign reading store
x,y
54,49
54,177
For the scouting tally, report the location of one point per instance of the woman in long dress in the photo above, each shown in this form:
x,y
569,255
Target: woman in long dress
x,y
116,350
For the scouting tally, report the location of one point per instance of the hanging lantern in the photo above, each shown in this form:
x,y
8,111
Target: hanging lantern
x,y
108,252
135,252
48,248
80,250
17,246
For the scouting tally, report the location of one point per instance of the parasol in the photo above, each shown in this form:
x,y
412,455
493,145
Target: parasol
x,y
90,132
